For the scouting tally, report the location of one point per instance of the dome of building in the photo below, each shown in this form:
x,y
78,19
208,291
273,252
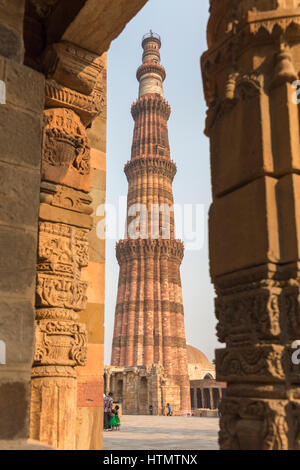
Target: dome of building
x,y
198,365
195,356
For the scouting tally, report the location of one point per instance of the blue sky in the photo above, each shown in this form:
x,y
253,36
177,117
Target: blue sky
x,y
182,27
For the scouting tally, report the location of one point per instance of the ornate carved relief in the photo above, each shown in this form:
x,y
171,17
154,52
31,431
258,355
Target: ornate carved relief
x,y
86,106
66,157
73,67
155,165
249,424
60,343
253,364
249,316
64,197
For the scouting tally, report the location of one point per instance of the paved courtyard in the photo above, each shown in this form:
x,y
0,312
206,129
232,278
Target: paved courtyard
x,y
164,433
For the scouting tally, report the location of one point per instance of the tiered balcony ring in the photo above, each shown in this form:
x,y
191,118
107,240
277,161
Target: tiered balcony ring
x,y
151,35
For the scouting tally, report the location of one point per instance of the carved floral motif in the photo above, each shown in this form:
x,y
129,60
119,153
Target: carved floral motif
x,y
64,127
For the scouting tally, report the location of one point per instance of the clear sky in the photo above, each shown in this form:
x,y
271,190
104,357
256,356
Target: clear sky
x,y
182,27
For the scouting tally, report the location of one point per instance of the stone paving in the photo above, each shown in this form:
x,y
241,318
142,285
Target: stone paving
x,y
164,433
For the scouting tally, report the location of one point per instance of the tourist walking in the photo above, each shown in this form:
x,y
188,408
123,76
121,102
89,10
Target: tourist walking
x,y
108,403
151,410
114,421
169,409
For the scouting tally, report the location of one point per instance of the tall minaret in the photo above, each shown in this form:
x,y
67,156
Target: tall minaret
x,y
149,317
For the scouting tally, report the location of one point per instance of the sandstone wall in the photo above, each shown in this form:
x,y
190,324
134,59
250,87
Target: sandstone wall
x,y
21,123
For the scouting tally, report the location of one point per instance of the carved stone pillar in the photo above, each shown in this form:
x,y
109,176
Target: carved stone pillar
x,y
72,101
253,125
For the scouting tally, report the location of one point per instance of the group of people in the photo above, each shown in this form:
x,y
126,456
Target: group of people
x,y
111,415
168,406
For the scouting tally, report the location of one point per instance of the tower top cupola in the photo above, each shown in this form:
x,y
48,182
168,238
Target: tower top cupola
x,y
151,73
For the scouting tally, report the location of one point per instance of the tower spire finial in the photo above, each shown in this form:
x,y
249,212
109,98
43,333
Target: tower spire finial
x,y
151,73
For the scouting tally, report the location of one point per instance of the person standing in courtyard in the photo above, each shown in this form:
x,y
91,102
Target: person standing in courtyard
x,y
151,410
114,421
169,409
108,403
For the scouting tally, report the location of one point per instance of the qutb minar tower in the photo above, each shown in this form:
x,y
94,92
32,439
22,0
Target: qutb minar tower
x,y
149,318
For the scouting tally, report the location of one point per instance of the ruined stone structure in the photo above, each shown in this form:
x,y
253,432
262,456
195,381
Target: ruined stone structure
x,y
253,126
149,317
138,387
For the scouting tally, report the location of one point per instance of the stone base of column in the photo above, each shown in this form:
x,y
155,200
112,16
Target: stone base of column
x,y
53,402
251,424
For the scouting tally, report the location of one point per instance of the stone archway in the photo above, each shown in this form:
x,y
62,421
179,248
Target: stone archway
x,y
253,124
208,377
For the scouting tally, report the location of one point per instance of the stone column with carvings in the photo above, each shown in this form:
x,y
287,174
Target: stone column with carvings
x,y
253,126
72,101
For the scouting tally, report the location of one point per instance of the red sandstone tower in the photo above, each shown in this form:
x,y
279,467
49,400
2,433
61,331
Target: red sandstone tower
x,y
149,317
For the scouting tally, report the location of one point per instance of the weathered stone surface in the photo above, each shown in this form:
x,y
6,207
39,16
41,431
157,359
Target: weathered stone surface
x,y
257,227
11,43
18,256
12,13
97,246
16,329
98,159
57,214
288,197
14,406
19,196
24,87
98,179
90,422
52,418
284,129
21,140
73,67
93,275
97,134
246,159
93,317
104,21
11,29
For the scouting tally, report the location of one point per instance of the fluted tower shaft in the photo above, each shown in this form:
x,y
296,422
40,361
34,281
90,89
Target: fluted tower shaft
x,y
149,317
